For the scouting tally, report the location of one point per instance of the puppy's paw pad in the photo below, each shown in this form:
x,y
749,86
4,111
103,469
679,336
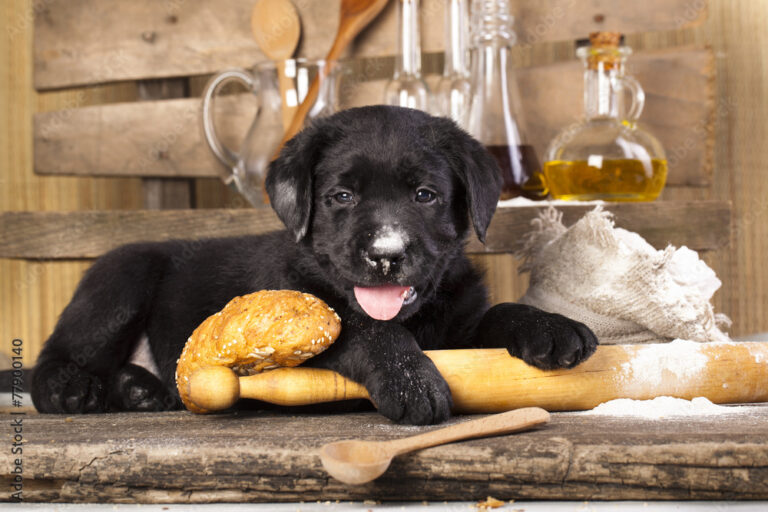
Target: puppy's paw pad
x,y
413,394
541,339
136,389
65,388
555,341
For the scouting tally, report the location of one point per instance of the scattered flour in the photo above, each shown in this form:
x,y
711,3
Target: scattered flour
x,y
682,358
660,407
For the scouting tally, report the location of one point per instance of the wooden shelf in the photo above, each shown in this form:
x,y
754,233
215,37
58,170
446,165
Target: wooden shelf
x,y
700,225
180,457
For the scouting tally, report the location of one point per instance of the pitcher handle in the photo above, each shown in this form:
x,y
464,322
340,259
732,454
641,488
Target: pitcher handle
x,y
637,95
225,155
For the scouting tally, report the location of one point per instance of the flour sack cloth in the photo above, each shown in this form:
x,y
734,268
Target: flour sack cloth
x,y
615,282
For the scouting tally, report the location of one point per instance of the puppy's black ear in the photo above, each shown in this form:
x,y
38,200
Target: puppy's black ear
x,y
290,177
476,169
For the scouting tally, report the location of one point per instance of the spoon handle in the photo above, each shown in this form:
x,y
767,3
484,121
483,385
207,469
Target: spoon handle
x,y
504,423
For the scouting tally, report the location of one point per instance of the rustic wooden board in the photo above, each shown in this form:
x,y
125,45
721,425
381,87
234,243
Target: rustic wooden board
x,y
179,457
163,138
165,193
130,39
701,225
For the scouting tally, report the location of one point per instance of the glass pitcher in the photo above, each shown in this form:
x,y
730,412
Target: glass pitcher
x,y
277,86
606,156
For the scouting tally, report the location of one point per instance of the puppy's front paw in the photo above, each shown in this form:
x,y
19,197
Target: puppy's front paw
x,y
133,388
61,387
411,390
541,339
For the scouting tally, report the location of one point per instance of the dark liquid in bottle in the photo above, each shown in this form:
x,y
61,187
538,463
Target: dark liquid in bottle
x,y
520,171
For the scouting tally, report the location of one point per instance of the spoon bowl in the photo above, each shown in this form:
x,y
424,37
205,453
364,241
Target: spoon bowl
x,y
276,27
357,462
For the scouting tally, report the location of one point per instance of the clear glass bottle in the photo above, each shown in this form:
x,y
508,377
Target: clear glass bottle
x,y
496,117
606,156
407,87
453,91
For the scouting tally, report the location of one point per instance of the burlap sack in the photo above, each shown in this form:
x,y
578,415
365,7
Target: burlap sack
x,y
615,282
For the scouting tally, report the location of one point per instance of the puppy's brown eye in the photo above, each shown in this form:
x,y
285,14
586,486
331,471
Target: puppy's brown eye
x,y
344,197
424,195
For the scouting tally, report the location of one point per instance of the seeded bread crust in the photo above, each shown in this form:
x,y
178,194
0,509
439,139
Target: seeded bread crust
x,y
256,332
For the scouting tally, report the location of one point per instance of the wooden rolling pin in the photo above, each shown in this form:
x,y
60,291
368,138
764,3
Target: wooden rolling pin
x,y
490,380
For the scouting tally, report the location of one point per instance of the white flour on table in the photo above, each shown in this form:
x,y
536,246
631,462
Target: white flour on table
x,y
660,407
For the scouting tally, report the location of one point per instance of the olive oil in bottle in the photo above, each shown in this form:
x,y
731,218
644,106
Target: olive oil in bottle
x,y
607,155
622,179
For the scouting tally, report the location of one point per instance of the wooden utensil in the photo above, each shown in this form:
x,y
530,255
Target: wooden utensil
x,y
489,380
358,462
276,28
354,16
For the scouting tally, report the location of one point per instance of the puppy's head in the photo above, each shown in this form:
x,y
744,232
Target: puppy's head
x,y
384,196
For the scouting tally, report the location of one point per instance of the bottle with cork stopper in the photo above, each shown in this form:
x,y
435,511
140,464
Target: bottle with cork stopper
x,y
606,155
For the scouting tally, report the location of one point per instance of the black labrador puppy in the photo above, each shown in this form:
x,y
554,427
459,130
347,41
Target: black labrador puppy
x,y
378,203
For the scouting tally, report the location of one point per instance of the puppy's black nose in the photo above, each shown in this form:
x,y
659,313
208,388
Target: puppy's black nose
x,y
386,249
384,260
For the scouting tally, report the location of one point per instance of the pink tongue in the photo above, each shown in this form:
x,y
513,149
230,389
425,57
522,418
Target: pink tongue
x,y
381,302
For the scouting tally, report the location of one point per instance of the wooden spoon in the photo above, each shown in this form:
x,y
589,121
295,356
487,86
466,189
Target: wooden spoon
x,y
358,462
276,28
354,16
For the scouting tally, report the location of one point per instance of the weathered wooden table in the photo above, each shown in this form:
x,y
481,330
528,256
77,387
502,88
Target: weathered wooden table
x,y
248,456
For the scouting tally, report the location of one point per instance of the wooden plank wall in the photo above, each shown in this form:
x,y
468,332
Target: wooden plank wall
x,y
677,83
141,39
32,294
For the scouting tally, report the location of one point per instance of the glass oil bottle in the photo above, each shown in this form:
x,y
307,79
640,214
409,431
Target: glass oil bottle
x,y
496,116
606,156
452,93
407,87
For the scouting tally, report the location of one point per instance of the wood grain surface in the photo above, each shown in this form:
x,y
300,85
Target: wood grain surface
x,y
75,235
140,39
163,138
179,457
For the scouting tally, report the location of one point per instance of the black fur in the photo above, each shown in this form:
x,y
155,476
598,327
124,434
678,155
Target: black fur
x,y
335,185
